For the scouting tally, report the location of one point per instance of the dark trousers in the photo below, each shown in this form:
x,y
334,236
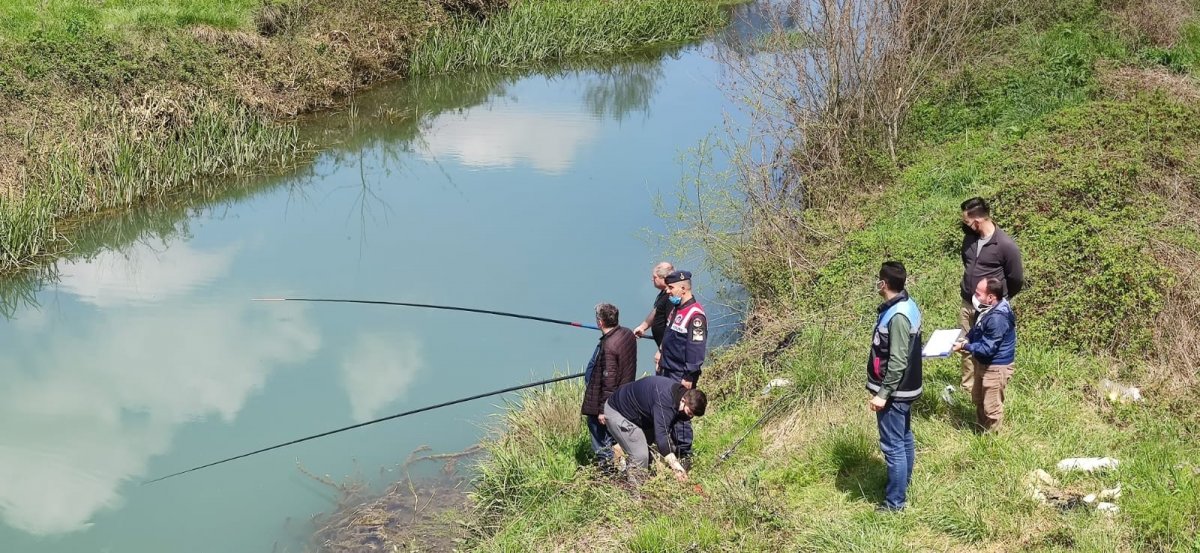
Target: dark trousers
x,y
681,431
602,441
899,451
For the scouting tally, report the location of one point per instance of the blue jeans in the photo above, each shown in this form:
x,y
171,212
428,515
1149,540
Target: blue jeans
x,y
899,451
602,441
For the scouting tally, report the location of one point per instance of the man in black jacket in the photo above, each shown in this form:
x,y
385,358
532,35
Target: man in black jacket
x,y
643,412
987,252
614,363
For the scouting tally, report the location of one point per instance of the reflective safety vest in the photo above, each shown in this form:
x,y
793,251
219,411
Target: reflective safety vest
x,y
909,387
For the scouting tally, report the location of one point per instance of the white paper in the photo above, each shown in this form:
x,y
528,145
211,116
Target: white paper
x,y
940,343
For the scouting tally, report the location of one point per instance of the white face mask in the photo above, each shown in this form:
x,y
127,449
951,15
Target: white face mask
x,y
979,306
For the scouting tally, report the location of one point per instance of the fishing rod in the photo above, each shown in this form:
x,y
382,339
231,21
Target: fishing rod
x,y
362,424
443,307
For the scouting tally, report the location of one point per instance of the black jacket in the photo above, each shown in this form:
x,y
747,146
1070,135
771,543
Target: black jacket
x,y
999,258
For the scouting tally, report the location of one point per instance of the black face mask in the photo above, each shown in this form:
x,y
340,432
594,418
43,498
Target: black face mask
x,y
966,228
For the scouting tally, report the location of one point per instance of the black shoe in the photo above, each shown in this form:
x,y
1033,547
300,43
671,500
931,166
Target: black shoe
x,y
687,463
881,508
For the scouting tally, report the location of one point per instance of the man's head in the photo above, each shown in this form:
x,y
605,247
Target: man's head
x,y
988,292
679,286
659,274
607,316
891,278
976,216
693,403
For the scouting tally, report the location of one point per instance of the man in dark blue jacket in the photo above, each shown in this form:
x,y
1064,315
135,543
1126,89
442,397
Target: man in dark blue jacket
x,y
992,347
643,412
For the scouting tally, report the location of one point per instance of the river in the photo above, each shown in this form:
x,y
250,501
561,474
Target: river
x,y
140,354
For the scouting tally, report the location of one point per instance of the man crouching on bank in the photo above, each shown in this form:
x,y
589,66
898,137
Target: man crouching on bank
x,y
644,412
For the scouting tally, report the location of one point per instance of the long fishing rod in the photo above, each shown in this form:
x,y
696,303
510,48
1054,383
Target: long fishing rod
x,y
362,424
443,307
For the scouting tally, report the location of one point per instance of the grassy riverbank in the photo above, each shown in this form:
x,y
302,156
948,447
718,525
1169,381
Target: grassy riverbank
x,y
104,105
1081,121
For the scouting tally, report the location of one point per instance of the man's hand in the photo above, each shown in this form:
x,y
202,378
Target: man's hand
x,y
657,358
960,347
687,383
602,418
673,462
877,403
640,330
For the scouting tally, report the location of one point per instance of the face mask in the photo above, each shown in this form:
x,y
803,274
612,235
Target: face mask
x,y
966,228
979,306
674,300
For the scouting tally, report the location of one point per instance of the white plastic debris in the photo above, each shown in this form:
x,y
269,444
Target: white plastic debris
x,y
1106,507
1118,393
1087,464
1089,498
948,394
776,383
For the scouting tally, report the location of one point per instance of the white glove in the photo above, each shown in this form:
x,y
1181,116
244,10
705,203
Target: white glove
x,y
673,462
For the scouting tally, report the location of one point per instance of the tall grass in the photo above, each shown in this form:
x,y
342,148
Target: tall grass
x,y
128,162
550,30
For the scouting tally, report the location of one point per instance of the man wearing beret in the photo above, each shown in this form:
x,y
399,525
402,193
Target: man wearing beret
x,y
683,347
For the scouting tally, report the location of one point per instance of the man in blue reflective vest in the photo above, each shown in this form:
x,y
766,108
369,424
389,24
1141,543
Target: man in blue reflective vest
x,y
682,351
894,380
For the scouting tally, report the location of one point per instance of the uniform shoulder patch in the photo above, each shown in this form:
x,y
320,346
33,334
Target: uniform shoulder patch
x,y
699,328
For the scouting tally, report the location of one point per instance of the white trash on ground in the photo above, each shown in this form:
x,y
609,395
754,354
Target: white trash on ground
x,y
1087,464
1119,393
776,383
948,394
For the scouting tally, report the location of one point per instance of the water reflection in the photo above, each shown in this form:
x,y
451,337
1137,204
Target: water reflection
x,y
88,409
142,273
378,370
505,137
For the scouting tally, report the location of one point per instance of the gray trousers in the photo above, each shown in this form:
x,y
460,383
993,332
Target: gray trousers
x,y
632,438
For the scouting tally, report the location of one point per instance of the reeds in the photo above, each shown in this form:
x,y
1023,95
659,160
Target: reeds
x,y
536,31
130,157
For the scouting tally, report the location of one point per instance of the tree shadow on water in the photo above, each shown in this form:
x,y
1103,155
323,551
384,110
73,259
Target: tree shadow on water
x,y
861,473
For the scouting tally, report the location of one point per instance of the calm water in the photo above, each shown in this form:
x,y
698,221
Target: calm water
x,y
142,354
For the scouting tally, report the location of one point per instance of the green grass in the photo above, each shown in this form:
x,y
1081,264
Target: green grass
x,y
23,19
1079,178
535,31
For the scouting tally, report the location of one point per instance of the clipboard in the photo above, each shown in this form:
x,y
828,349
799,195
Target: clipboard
x,y
939,344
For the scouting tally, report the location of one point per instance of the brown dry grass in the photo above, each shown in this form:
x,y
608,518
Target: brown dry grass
x,y
1125,83
1157,22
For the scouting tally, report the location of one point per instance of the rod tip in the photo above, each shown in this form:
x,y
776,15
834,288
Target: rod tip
x,y
268,299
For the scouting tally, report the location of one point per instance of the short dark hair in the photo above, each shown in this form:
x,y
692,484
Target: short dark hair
x,y
994,286
696,401
977,207
608,315
893,274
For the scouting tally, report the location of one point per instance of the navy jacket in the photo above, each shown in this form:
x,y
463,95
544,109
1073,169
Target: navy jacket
x,y
685,344
993,339
652,403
